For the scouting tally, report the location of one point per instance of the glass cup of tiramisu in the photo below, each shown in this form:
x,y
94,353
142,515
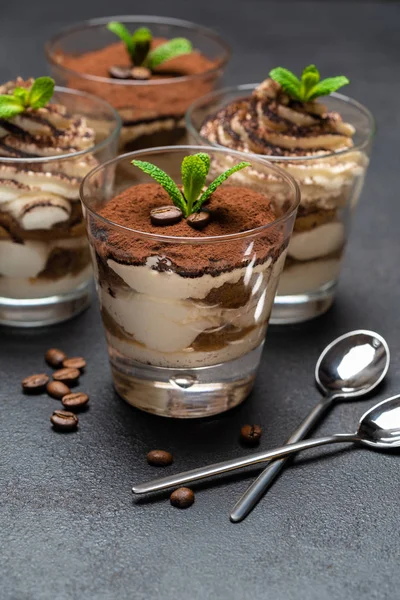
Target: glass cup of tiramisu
x,y
49,140
149,68
325,145
187,271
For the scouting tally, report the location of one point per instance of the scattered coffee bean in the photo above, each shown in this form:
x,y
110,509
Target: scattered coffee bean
x,y
165,215
34,384
250,434
67,375
57,389
75,401
64,420
182,497
141,73
198,220
76,362
117,72
159,458
55,357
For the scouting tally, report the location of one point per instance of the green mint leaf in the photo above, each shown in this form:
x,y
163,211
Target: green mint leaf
x,y
165,181
171,49
327,86
121,31
194,173
288,81
206,160
309,79
10,106
22,94
217,182
41,92
141,40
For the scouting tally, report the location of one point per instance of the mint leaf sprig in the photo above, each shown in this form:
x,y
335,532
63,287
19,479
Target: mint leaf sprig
x,y
138,46
310,86
194,170
37,96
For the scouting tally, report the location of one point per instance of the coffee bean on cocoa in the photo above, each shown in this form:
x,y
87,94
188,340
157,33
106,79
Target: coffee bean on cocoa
x,y
63,420
75,401
165,215
250,435
159,458
35,384
198,220
182,497
141,73
55,357
66,375
117,72
75,362
57,389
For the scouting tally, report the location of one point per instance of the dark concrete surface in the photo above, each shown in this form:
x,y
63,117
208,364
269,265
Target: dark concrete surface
x,y
69,528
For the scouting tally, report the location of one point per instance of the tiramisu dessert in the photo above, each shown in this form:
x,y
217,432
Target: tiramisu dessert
x,y
283,120
189,279
43,248
150,79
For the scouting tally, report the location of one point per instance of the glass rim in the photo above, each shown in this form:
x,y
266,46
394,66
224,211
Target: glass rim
x,y
93,149
92,23
196,240
282,159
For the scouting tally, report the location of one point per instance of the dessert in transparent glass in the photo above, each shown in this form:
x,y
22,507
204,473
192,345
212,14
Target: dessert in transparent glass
x,y
153,110
185,316
45,270
330,186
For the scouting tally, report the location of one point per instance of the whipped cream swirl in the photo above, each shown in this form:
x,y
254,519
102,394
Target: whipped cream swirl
x,y
269,122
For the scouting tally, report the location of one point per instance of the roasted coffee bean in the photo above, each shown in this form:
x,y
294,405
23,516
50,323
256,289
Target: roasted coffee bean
x,y
68,375
198,220
55,357
141,73
34,384
160,458
75,401
165,215
57,389
182,497
118,72
76,362
250,434
63,420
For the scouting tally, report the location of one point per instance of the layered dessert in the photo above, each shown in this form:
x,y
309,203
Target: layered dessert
x,y
151,96
178,305
282,119
43,248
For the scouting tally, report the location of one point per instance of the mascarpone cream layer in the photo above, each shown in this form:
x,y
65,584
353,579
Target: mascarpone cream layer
x,y
271,124
163,313
308,277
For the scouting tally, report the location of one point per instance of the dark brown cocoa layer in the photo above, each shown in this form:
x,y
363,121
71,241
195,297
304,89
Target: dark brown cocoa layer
x,y
233,210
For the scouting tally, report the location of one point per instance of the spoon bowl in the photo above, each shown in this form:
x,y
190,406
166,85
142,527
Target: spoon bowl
x,y
352,365
379,427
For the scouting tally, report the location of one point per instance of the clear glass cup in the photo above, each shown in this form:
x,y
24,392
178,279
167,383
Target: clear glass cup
x,y
152,111
184,342
45,270
330,187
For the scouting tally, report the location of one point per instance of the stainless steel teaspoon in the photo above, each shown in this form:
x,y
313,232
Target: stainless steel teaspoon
x,y
350,367
378,428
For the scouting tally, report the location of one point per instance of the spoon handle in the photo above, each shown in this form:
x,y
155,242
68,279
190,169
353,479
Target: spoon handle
x,y
237,463
257,489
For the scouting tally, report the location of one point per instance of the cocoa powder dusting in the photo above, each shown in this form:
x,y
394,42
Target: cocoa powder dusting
x,y
141,102
233,210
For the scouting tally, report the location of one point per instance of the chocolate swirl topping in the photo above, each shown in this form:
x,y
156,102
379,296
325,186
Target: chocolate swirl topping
x,y
47,131
270,122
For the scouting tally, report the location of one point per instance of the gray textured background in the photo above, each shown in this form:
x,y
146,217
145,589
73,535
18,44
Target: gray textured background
x,y
69,528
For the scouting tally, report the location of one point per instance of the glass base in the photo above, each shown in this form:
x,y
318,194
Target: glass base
x,y
185,393
39,312
302,307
